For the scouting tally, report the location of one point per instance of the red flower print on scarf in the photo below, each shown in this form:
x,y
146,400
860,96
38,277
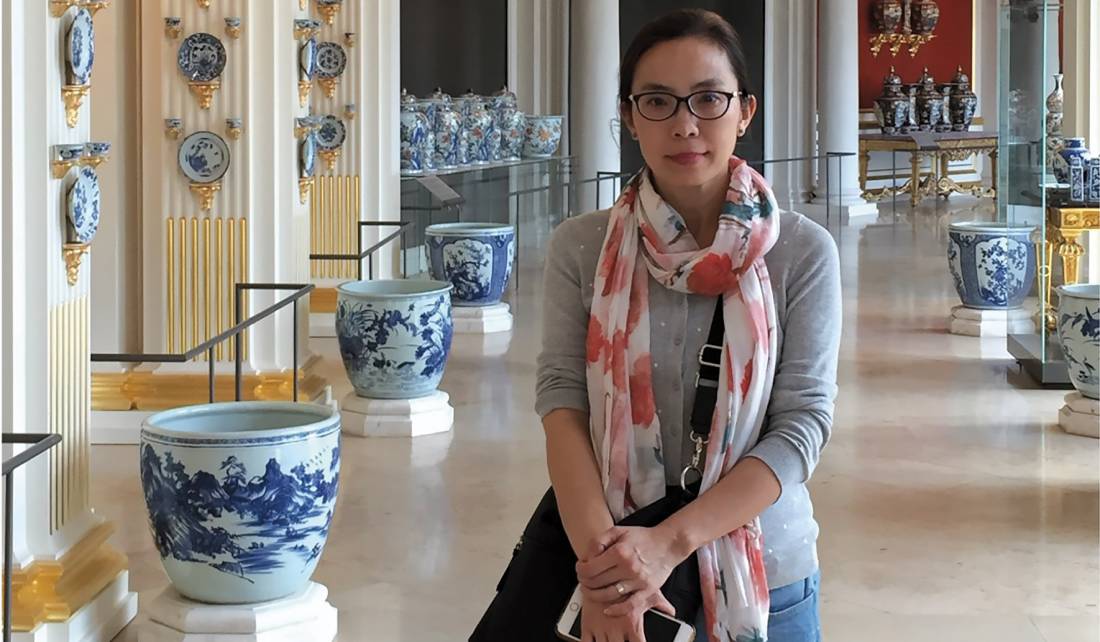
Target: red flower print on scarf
x,y
711,275
643,407
746,380
595,343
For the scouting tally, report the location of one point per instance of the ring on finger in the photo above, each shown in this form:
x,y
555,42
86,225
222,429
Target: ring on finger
x,y
619,588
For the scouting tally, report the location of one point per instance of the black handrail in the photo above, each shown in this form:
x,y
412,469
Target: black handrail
x,y
299,291
358,258
39,443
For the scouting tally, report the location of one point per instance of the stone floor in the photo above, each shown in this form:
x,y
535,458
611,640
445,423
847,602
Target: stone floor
x,y
952,507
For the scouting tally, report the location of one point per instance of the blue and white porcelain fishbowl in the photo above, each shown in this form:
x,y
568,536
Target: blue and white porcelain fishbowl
x,y
241,496
476,258
993,265
394,336
1079,334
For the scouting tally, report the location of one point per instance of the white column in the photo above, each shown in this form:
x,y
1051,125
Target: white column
x,y
789,97
1082,106
594,67
838,101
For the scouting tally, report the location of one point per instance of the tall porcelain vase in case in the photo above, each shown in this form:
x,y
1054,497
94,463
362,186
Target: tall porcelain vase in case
x,y
415,144
1079,334
1054,118
510,122
240,496
478,123
993,265
476,258
447,127
394,336
1071,148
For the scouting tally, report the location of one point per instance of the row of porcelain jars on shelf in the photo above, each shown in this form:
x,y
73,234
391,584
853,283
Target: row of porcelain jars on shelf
x,y
441,132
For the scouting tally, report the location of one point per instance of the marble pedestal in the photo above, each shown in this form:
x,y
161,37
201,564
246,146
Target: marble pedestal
x,y
482,320
1080,416
305,616
972,322
363,417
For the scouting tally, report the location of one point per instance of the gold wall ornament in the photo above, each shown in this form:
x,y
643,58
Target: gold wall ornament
x,y
301,5
73,96
329,85
173,128
304,186
350,40
61,167
205,192
233,128
203,4
328,11
304,87
173,28
93,6
233,27
204,91
73,254
93,161
350,111
304,33
330,156
334,219
59,7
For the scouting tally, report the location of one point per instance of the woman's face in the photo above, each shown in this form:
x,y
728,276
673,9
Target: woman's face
x,y
686,151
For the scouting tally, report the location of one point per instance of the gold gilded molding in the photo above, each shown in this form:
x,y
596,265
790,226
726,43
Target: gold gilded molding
x,y
328,11
322,300
334,221
330,156
74,255
329,85
305,184
162,391
205,192
52,591
59,7
203,4
69,375
304,87
204,92
73,97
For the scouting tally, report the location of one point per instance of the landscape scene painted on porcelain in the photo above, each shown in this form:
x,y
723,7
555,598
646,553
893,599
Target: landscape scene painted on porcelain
x,y
383,346
242,523
1080,334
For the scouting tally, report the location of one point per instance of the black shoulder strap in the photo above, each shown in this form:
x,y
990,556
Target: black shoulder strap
x,y
710,367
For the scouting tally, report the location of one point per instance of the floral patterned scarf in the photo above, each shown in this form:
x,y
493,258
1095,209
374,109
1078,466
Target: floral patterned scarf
x,y
645,237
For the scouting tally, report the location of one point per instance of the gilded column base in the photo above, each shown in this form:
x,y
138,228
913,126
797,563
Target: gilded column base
x,y
162,391
53,591
322,301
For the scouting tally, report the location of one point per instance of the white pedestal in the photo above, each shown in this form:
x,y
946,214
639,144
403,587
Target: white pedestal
x,y
305,616
101,619
991,323
482,320
1080,416
365,417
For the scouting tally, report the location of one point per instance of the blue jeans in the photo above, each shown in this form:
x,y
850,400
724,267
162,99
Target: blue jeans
x,y
793,615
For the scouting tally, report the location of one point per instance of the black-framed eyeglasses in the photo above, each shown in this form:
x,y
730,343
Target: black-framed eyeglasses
x,y
707,104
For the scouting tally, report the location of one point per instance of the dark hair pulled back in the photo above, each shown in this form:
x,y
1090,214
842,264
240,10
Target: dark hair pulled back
x,y
685,23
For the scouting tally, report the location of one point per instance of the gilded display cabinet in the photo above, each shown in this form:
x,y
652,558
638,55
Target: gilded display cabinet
x,y
1044,178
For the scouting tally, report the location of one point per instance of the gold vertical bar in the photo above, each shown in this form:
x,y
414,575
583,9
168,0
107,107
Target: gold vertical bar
x,y
218,283
313,232
322,194
194,282
64,383
206,283
55,455
170,243
230,279
244,278
346,225
338,220
181,313
356,217
85,399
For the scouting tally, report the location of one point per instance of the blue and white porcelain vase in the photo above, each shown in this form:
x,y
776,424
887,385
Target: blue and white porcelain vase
x,y
512,125
1071,148
476,258
240,496
543,136
416,147
1079,333
448,138
993,265
394,335
479,130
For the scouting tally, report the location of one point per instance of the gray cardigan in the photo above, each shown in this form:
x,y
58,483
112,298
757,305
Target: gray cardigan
x,y
805,276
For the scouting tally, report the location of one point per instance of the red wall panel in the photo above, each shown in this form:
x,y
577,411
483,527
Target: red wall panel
x,y
952,46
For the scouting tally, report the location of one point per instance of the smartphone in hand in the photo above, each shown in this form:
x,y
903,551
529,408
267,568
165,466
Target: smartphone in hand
x,y
658,627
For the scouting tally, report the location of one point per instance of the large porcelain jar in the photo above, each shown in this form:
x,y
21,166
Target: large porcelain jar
x,y
512,125
394,336
1071,148
993,265
503,99
929,103
448,152
887,15
476,258
240,496
478,123
893,105
416,144
963,102
925,16
543,136
1079,333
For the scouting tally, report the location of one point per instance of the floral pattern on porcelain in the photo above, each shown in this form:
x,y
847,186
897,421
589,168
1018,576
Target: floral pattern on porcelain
x,y
415,143
202,57
84,205
240,514
448,152
394,336
992,266
1079,334
543,136
476,258
80,47
512,125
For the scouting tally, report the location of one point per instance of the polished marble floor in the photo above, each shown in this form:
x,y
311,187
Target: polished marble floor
x,y
952,507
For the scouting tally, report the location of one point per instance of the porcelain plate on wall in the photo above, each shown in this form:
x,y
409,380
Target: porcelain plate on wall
x,y
332,133
83,201
201,57
331,60
204,157
80,47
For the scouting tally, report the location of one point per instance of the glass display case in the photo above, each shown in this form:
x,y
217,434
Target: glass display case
x,y
1036,185
533,195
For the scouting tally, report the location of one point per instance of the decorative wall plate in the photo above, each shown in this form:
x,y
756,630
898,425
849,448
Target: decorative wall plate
x,y
332,133
307,59
307,159
83,204
331,60
202,57
204,157
80,47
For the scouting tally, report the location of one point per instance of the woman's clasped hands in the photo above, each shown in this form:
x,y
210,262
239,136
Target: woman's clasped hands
x,y
621,577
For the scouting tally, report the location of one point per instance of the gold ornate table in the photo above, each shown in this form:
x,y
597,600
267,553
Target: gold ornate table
x,y
1064,226
949,146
